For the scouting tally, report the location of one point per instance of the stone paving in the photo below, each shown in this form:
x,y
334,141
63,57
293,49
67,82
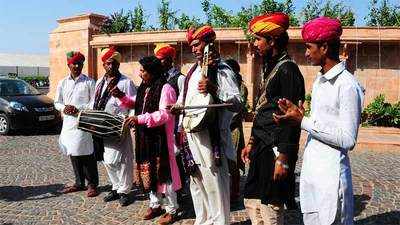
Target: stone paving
x,y
32,171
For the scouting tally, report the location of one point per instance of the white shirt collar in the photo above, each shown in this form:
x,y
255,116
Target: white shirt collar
x,y
333,72
78,79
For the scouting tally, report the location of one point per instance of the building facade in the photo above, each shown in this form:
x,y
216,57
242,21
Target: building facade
x,y
372,54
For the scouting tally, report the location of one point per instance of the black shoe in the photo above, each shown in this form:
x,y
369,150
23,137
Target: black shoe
x,y
123,199
113,195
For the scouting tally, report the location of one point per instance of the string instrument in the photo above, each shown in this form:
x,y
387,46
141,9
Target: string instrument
x,y
198,119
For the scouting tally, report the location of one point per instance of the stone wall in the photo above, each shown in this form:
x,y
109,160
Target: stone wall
x,y
72,34
374,61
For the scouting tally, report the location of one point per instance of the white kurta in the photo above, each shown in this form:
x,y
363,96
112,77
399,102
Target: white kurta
x,y
336,105
78,93
210,190
117,151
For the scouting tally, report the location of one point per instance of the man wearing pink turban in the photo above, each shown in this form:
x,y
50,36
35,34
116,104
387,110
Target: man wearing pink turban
x,y
326,191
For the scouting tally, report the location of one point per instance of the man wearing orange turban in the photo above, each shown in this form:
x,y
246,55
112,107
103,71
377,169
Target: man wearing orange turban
x,y
272,149
118,154
210,148
337,100
166,54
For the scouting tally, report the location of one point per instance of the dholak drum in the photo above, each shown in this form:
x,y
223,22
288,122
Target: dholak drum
x,y
101,124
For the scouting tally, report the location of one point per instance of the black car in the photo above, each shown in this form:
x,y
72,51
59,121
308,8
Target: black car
x,y
23,107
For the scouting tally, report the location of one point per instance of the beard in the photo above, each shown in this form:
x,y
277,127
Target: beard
x,y
268,54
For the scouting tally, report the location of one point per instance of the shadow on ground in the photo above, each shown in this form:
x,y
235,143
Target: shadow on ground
x,y
18,193
388,218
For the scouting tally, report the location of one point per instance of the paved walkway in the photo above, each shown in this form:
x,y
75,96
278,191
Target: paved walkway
x,y
32,171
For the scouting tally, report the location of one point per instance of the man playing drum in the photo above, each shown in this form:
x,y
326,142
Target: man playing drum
x,y
210,185
75,93
118,154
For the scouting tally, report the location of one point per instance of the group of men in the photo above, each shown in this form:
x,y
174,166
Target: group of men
x,y
326,195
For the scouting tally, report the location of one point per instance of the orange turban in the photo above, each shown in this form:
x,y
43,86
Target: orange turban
x,y
164,50
321,29
204,33
272,24
110,53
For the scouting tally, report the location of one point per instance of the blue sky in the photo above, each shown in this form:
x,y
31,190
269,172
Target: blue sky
x,y
25,24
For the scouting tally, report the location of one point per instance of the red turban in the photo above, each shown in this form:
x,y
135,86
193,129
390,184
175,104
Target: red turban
x,y
272,24
204,33
75,57
322,29
110,53
164,50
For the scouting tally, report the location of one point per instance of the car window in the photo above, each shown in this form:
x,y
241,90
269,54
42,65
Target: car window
x,y
16,87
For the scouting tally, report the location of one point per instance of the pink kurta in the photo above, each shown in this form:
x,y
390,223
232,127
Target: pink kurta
x,y
161,117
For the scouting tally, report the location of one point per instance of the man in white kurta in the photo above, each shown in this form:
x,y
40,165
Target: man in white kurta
x,y
210,187
75,93
118,154
326,191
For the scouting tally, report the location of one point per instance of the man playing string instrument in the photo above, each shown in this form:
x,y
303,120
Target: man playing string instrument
x,y
211,147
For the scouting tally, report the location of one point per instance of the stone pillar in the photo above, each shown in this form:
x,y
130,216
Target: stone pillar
x,y
251,78
72,34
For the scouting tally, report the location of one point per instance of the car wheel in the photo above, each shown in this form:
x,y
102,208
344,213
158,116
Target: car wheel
x,y
4,125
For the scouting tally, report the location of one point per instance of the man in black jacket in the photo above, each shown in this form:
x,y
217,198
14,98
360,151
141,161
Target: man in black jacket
x,y
272,148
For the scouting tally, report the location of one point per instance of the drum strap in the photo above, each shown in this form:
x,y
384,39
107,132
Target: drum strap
x,y
100,102
101,99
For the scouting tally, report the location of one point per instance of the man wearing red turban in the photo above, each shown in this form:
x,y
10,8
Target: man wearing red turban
x,y
117,155
74,93
210,148
337,99
272,148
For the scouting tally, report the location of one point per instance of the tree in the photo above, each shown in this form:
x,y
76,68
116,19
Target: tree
x,y
220,17
184,21
118,22
315,8
383,15
138,21
166,16
206,7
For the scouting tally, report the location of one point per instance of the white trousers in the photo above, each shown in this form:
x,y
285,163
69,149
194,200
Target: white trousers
x,y
170,201
261,214
210,187
121,176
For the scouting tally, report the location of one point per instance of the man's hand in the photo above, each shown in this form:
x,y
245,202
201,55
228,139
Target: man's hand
x,y
206,86
292,113
70,110
246,153
131,121
280,171
117,93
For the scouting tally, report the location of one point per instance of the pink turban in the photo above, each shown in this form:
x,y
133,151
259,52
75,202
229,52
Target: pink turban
x,y
322,29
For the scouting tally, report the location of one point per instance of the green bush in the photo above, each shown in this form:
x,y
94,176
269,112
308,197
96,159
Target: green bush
x,y
381,113
307,104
